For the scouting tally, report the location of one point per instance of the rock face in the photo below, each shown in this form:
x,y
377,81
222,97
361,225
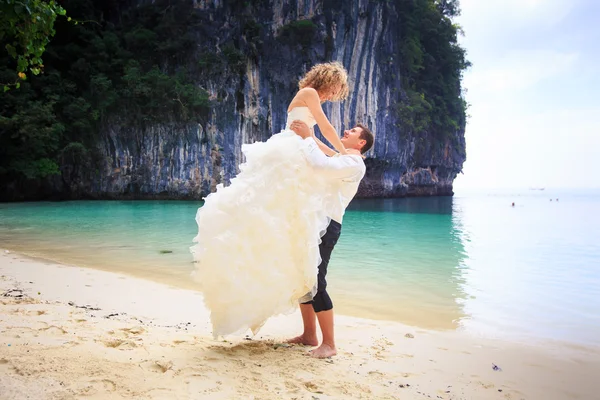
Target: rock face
x,y
174,160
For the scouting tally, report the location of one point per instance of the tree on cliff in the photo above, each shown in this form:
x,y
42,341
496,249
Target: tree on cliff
x,y
26,26
432,67
92,72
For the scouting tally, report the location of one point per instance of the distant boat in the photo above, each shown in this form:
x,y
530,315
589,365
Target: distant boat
x,y
533,188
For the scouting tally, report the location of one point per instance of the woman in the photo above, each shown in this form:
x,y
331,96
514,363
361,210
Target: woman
x,y
257,244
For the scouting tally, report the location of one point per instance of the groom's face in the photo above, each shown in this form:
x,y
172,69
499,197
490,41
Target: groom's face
x,y
351,138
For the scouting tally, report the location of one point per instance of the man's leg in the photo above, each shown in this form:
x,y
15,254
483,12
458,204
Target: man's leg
x,y
324,310
321,303
309,321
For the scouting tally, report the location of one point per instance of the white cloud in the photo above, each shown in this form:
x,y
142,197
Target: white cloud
x,y
551,149
511,13
534,113
519,70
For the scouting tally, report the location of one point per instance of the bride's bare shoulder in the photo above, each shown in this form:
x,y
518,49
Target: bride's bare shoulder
x,y
307,93
303,97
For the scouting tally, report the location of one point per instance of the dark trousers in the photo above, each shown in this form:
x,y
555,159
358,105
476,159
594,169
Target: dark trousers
x,y
321,301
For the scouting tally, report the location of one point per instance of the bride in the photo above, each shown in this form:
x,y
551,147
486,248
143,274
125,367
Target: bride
x,y
256,250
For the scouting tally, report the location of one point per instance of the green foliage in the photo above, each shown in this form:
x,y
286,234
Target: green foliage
x,y
432,66
301,32
26,27
39,168
126,72
75,153
229,59
252,30
235,59
415,111
29,139
209,61
153,96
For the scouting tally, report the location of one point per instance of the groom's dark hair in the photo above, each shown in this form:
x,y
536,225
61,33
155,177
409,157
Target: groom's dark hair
x,y
367,136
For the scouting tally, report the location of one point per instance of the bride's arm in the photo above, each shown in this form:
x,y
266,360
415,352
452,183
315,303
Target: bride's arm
x,y
333,167
303,130
324,148
312,101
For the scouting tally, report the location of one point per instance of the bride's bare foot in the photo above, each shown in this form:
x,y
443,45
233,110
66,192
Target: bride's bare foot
x,y
323,351
305,340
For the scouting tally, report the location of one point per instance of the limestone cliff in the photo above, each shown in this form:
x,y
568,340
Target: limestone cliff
x,y
268,45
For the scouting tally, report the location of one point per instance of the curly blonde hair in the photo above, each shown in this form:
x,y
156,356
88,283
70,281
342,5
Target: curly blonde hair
x,y
322,77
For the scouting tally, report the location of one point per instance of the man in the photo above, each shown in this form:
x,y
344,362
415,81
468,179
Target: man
x,y
346,172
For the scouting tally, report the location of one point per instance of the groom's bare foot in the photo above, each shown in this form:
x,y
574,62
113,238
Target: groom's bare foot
x,y
323,351
305,340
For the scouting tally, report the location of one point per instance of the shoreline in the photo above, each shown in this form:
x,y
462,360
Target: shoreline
x,y
69,331
415,192
181,280
175,281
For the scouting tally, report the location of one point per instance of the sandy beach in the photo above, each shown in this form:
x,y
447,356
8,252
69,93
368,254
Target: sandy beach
x,y
74,333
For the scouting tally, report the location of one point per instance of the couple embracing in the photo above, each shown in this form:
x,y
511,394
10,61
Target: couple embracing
x,y
264,242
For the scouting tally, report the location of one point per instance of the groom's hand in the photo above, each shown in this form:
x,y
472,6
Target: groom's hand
x,y
300,128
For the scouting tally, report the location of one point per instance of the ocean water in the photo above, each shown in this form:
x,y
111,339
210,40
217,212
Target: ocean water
x,y
472,262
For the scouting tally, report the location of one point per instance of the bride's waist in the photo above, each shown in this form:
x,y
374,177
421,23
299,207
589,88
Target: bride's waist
x,y
286,133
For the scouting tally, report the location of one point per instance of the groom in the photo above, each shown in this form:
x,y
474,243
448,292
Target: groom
x,y
345,173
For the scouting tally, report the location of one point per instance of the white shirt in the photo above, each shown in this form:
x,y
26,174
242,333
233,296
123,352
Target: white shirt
x,y
344,171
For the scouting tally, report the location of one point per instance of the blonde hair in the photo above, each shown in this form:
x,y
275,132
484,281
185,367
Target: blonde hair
x,y
327,75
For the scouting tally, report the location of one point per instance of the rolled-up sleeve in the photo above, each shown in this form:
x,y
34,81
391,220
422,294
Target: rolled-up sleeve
x,y
340,167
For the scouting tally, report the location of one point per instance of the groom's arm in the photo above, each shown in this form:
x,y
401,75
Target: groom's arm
x,y
324,148
303,130
339,167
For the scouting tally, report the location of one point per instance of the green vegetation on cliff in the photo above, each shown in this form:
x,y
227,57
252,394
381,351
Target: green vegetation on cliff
x,y
26,27
138,66
432,67
93,72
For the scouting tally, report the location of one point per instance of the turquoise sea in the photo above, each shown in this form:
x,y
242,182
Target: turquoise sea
x,y
471,262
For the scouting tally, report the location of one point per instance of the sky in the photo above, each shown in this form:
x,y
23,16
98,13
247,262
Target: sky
x,y
534,93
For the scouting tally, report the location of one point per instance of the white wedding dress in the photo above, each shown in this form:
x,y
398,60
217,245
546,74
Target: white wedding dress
x,y
256,251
